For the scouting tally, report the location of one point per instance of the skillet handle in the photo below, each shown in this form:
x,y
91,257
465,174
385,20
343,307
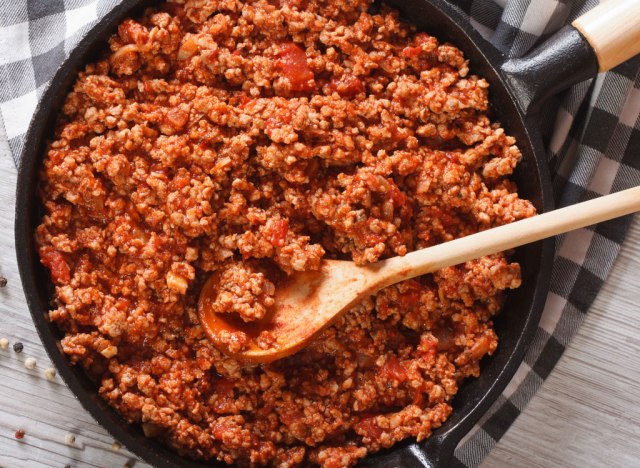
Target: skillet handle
x,y
602,38
613,30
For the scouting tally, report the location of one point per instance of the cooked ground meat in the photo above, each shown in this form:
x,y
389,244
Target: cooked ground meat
x,y
243,291
253,139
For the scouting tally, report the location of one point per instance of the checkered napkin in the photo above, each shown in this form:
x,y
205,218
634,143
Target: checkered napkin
x,y
593,149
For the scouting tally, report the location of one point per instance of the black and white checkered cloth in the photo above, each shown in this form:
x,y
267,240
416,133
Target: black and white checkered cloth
x,y
593,149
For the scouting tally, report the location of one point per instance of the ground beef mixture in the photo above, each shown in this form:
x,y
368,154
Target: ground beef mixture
x,y
244,138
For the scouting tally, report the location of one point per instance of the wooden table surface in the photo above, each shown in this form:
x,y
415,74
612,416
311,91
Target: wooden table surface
x,y
586,414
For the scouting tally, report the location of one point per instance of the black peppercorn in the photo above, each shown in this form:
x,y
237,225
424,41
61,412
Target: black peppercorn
x,y
18,347
3,281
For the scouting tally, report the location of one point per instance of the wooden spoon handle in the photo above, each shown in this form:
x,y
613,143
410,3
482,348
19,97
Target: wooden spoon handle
x,y
613,30
511,235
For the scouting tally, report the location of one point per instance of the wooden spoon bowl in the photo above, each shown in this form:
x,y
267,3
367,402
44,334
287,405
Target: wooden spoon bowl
x,y
305,304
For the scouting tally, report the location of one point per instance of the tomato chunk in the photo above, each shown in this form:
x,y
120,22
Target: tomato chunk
x,y
347,85
293,65
368,427
393,370
279,229
224,400
422,43
411,52
56,264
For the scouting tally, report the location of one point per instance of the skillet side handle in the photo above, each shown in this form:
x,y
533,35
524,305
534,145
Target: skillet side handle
x,y
613,30
566,58
602,38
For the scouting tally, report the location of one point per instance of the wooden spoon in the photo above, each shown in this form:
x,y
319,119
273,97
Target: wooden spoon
x,y
308,302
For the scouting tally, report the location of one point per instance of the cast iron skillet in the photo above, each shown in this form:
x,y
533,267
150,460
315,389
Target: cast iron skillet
x,y
517,90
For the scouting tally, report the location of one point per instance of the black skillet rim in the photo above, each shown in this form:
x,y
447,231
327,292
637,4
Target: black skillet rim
x,y
442,442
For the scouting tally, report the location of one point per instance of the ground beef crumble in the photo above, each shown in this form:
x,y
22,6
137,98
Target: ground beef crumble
x,y
243,291
243,138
